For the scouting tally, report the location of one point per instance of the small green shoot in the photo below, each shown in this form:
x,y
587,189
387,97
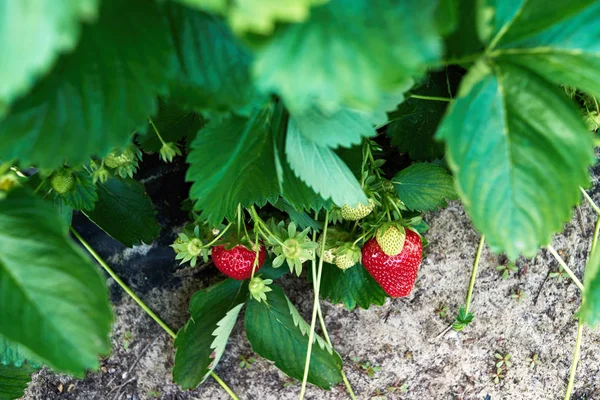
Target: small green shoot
x,y
463,319
505,270
503,360
534,360
441,310
246,362
518,295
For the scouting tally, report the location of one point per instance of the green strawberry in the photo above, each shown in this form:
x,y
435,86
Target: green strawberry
x,y
62,182
358,212
347,256
390,238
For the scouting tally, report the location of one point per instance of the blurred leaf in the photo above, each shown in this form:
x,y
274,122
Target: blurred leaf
x,y
54,301
32,35
328,61
14,381
95,97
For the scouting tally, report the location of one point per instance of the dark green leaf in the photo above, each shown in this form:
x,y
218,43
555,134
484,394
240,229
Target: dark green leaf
x,y
125,212
213,68
95,97
351,287
300,218
14,381
232,162
54,302
559,40
341,57
446,16
590,306
321,169
276,333
194,359
464,40
172,123
268,272
414,123
519,151
424,187
32,35
83,196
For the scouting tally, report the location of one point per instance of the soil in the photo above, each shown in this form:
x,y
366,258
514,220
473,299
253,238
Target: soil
x,y
401,338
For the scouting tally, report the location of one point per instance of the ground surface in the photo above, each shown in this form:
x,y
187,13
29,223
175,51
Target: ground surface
x,y
399,337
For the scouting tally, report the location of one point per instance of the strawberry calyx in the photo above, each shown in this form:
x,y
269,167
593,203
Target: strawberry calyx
x,y
259,288
347,256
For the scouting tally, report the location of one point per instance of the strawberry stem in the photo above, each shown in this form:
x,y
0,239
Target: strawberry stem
x,y
156,131
139,301
576,356
262,227
565,267
313,322
219,236
474,274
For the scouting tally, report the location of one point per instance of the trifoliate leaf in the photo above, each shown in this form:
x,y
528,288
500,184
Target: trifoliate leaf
x,y
339,56
213,314
232,162
125,212
519,151
213,68
273,334
32,35
424,187
54,301
95,97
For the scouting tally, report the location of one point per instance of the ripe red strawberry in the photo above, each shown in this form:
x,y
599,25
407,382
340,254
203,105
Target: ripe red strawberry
x,y
237,262
395,274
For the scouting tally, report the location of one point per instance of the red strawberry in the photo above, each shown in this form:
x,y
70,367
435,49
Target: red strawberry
x,y
237,262
395,274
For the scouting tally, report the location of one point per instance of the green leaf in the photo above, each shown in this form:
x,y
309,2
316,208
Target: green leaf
x,y
101,92
213,69
464,40
14,381
345,127
54,302
125,212
446,16
590,306
173,123
351,287
32,35
296,193
12,354
274,335
213,311
414,122
321,169
232,162
339,56
559,40
424,187
519,151
83,196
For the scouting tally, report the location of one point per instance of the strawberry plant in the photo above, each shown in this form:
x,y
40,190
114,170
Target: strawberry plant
x,y
316,134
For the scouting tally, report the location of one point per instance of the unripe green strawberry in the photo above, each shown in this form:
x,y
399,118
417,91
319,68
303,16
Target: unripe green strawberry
x,y
62,182
358,212
347,255
328,255
391,239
